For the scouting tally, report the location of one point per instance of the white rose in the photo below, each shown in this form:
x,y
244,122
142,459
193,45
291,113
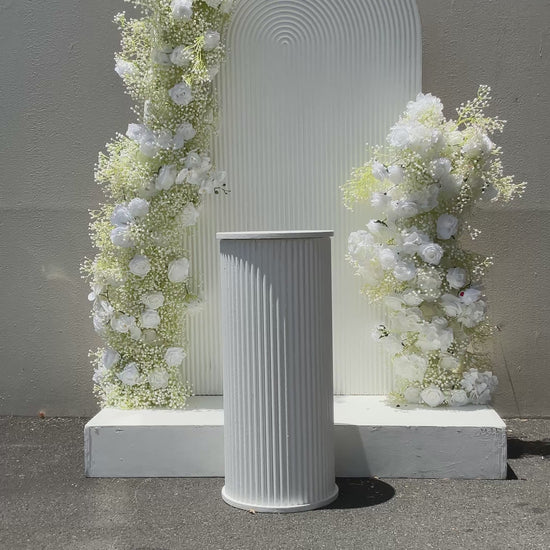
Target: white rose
x,y
429,279
477,144
181,94
469,296
440,168
174,356
161,56
182,176
164,139
121,215
124,68
404,271
433,338
392,344
457,277
379,230
182,9
472,314
412,298
227,5
393,302
426,198
430,253
449,362
189,215
153,300
184,132
213,3
379,171
425,106
135,332
213,71
120,236
395,174
99,324
149,147
138,132
99,374
371,272
410,367
359,244
123,323
447,226
178,270
412,395
193,160
211,40
130,375
139,265
181,56
166,177
432,396
380,201
387,257
149,336
158,378
458,398
138,208
412,239
408,319
103,309
110,358
150,318
399,136
451,305
479,386
405,208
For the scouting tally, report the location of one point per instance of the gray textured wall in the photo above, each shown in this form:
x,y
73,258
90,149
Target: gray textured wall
x,y
60,101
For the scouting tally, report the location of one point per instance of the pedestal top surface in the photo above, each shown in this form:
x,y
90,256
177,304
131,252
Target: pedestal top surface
x,y
257,235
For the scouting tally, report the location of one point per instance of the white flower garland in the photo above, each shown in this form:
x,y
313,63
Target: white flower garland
x,y
422,187
154,178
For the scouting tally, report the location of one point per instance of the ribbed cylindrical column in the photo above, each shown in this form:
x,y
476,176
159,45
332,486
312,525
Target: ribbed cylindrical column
x,y
277,358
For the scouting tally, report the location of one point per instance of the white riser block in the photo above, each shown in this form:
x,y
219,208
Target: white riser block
x,y
157,443
372,439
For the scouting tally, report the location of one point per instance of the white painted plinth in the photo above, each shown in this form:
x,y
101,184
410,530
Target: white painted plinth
x,y
372,439
157,443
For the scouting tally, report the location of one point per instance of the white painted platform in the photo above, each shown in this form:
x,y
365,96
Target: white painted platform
x,y
372,439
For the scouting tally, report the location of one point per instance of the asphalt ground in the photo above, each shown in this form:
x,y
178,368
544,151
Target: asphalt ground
x,y
47,503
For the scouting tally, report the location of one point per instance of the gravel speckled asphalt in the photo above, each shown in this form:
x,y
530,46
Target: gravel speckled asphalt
x,y
47,503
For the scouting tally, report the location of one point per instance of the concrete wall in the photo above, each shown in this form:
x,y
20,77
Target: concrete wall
x,y
60,101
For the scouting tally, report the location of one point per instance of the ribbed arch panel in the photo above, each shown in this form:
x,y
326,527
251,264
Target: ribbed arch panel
x,y
306,85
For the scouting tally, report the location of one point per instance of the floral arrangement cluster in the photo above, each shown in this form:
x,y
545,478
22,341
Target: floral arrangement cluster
x,y
154,178
422,187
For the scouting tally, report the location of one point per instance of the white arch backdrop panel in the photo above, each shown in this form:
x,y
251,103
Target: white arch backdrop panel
x,y
307,83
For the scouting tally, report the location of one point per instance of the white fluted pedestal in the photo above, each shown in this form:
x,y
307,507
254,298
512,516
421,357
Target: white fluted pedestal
x,y
277,358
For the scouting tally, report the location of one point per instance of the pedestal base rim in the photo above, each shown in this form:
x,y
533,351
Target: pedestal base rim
x,y
280,509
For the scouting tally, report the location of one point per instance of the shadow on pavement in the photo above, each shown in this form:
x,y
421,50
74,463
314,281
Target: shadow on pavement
x,y
518,448
361,492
